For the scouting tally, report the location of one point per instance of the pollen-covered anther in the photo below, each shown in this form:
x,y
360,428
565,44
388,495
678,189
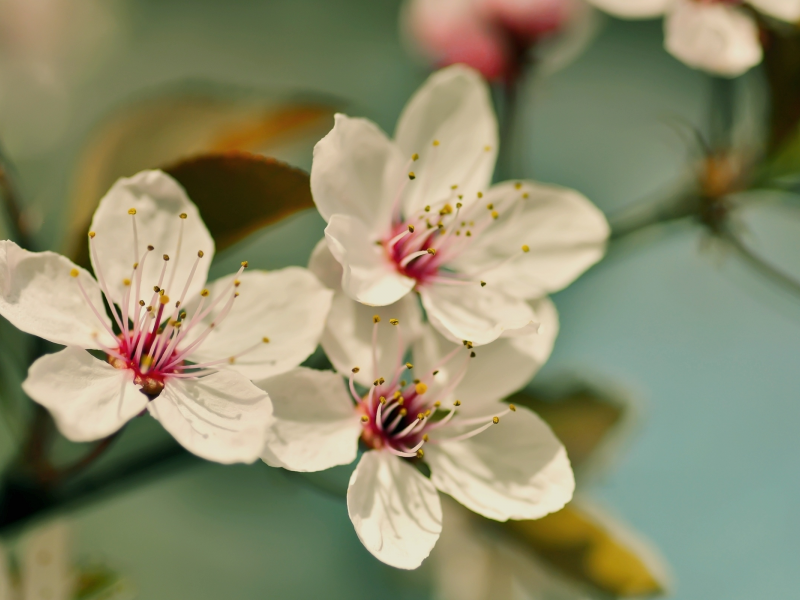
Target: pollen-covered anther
x,y
468,344
164,299
244,264
435,142
156,289
265,340
376,318
428,208
411,229
425,437
92,234
459,205
382,399
376,383
73,273
237,283
415,156
420,453
204,293
495,420
355,369
495,214
364,419
126,282
480,194
457,403
517,185
420,416
394,321
200,254
525,248
431,251
421,388
435,372
232,359
472,355
131,211
403,411
141,303
483,284
151,248
183,215
490,206
512,408
165,257
437,404
409,366
411,175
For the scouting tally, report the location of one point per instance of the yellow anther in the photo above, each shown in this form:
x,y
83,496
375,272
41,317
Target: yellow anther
x,y
512,408
459,205
495,214
73,273
236,283
126,282
468,233
428,413
92,234
525,196
403,412
415,156
200,254
394,321
232,359
156,289
161,292
403,383
376,318
165,257
382,399
458,232
382,380
364,419
487,148
150,248
183,215
480,194
409,366
416,381
446,210
164,299
141,302
495,420
468,344
517,185
525,248
490,206
136,265
131,211
437,404
472,355
376,383
435,142
265,340
411,229
421,388
356,369
457,403
483,284
420,453
244,264
236,295
428,208
396,394
431,251
436,372
401,401
411,175
204,293
420,416
461,196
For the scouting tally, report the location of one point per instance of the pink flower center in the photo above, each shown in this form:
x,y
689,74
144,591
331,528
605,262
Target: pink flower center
x,y
156,340
400,417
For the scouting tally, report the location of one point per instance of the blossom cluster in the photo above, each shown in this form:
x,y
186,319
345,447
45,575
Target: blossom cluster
x,y
429,295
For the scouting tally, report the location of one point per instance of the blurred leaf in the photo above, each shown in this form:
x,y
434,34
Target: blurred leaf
x,y
172,126
100,583
238,193
592,552
582,420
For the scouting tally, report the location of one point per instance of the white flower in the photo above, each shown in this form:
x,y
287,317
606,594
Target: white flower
x,y
183,352
717,36
416,213
499,460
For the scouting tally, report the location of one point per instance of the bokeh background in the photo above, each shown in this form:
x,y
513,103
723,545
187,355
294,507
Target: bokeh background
x,y
706,346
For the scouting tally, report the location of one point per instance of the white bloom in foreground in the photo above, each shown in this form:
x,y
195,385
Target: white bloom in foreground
x,y
417,213
718,36
181,351
498,460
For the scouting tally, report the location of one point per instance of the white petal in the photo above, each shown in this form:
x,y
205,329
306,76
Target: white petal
x,y
565,234
786,10
88,398
633,9
516,469
47,572
325,266
717,38
499,368
288,307
357,171
39,296
159,201
475,313
222,417
368,274
395,510
316,425
454,108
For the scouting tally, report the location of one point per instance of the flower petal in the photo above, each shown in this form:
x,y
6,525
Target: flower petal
x,y
564,232
159,201
717,38
88,398
453,109
515,470
499,368
222,417
316,426
286,307
475,313
395,510
325,266
357,171
39,296
785,10
633,9
369,276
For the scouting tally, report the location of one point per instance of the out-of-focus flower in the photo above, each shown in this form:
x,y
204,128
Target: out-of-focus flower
x,y
496,37
442,413
186,353
400,221
44,570
718,36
